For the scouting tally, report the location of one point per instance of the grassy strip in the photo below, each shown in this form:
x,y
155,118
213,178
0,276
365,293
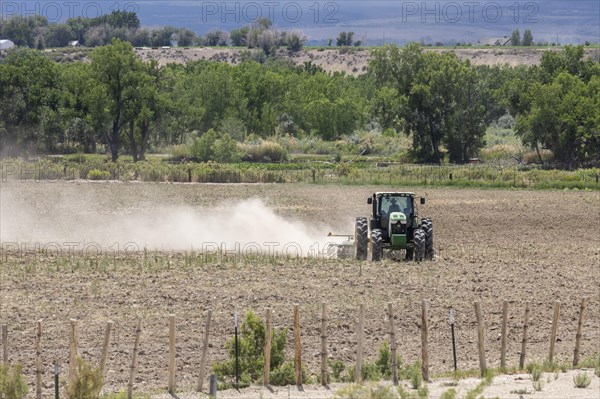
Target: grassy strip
x,y
360,173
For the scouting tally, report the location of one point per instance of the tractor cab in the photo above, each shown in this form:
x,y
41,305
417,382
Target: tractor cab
x,y
393,211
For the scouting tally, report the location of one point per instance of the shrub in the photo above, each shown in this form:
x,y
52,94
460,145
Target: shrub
x,y
355,391
179,152
536,374
337,367
251,346
203,146
384,361
422,393
449,394
226,151
86,382
582,380
286,375
265,151
12,382
416,378
97,174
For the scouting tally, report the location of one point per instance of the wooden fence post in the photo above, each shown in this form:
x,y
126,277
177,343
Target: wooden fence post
x,y
324,368
268,335
480,340
424,347
524,340
504,335
297,345
171,382
106,346
359,348
73,350
393,344
133,369
204,351
554,330
579,333
5,344
38,361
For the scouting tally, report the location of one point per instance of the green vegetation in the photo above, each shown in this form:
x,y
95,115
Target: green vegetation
x,y
582,380
376,371
86,383
12,382
449,394
251,357
355,391
478,390
409,106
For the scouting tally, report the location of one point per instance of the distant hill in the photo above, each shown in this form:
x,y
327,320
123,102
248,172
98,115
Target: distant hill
x,y
373,22
376,22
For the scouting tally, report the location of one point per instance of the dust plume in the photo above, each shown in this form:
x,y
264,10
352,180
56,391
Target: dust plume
x,y
246,226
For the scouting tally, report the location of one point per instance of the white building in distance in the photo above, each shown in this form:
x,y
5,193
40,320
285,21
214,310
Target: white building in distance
x,y
6,44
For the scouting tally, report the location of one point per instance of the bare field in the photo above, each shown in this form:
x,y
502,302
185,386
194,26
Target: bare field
x,y
351,62
492,245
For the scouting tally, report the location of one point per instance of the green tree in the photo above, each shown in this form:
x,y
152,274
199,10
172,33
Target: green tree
x,y
515,39
433,99
564,117
114,71
29,98
239,37
21,29
77,103
345,39
527,38
185,38
295,41
216,38
58,35
145,109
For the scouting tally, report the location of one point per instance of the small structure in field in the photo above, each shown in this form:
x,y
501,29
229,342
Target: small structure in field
x,y
6,44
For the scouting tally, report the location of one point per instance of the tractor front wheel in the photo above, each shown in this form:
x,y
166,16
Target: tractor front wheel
x,y
376,245
419,247
361,238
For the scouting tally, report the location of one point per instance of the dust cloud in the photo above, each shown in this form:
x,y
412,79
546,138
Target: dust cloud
x,y
247,226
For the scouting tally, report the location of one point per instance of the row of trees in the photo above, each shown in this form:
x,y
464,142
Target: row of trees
x,y
36,32
443,103
516,40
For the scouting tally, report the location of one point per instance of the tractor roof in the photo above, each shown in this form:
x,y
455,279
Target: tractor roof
x,y
406,194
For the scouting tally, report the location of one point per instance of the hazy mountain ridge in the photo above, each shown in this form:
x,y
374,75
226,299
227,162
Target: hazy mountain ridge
x,y
374,22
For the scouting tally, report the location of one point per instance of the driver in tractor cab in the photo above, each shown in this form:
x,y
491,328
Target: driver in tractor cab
x,y
394,207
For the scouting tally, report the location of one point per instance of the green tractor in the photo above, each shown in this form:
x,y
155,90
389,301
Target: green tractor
x,y
394,228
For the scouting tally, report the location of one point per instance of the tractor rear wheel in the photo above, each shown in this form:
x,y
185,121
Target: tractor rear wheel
x,y
361,238
419,250
376,245
427,226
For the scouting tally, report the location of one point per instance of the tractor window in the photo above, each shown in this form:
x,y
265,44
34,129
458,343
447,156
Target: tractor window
x,y
395,204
